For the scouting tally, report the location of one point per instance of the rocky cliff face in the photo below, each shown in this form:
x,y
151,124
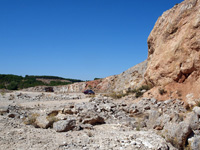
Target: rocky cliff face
x,y
174,49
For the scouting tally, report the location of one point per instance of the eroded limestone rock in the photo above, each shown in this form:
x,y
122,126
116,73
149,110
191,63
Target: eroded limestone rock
x,y
174,49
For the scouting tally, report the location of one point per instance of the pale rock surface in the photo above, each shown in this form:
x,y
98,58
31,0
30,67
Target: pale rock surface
x,y
64,125
42,122
196,110
112,137
194,142
177,134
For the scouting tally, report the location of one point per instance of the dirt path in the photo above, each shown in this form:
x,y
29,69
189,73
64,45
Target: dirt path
x,y
51,103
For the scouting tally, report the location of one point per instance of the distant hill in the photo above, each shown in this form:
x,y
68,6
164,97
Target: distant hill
x,y
15,82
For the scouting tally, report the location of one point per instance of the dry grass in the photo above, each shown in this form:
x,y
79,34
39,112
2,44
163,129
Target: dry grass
x,y
138,92
116,95
30,120
162,91
2,93
52,118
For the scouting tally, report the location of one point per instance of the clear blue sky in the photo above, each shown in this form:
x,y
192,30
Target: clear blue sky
x,y
80,39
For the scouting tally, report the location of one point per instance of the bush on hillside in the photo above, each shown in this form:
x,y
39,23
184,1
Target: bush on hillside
x,y
12,86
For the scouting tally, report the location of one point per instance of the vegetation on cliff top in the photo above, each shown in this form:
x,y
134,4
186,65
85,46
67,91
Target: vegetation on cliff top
x,y
15,82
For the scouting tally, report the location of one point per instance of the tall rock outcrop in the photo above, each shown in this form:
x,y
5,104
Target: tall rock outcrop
x,y
174,48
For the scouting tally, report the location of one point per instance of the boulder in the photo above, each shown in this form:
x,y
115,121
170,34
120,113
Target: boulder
x,y
147,140
42,122
193,119
64,125
194,143
177,134
61,116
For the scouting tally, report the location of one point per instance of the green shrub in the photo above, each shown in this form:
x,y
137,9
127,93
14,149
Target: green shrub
x,y
89,86
138,128
138,94
12,86
2,93
144,87
162,91
2,86
97,78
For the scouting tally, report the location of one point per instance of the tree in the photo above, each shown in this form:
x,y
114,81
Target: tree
x,y
12,86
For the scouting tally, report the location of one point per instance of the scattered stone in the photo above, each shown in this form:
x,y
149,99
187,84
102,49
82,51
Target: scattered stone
x,y
11,97
86,126
42,122
95,120
64,125
11,115
4,110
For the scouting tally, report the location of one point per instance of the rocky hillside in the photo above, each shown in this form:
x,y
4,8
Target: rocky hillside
x,y
174,51
129,79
